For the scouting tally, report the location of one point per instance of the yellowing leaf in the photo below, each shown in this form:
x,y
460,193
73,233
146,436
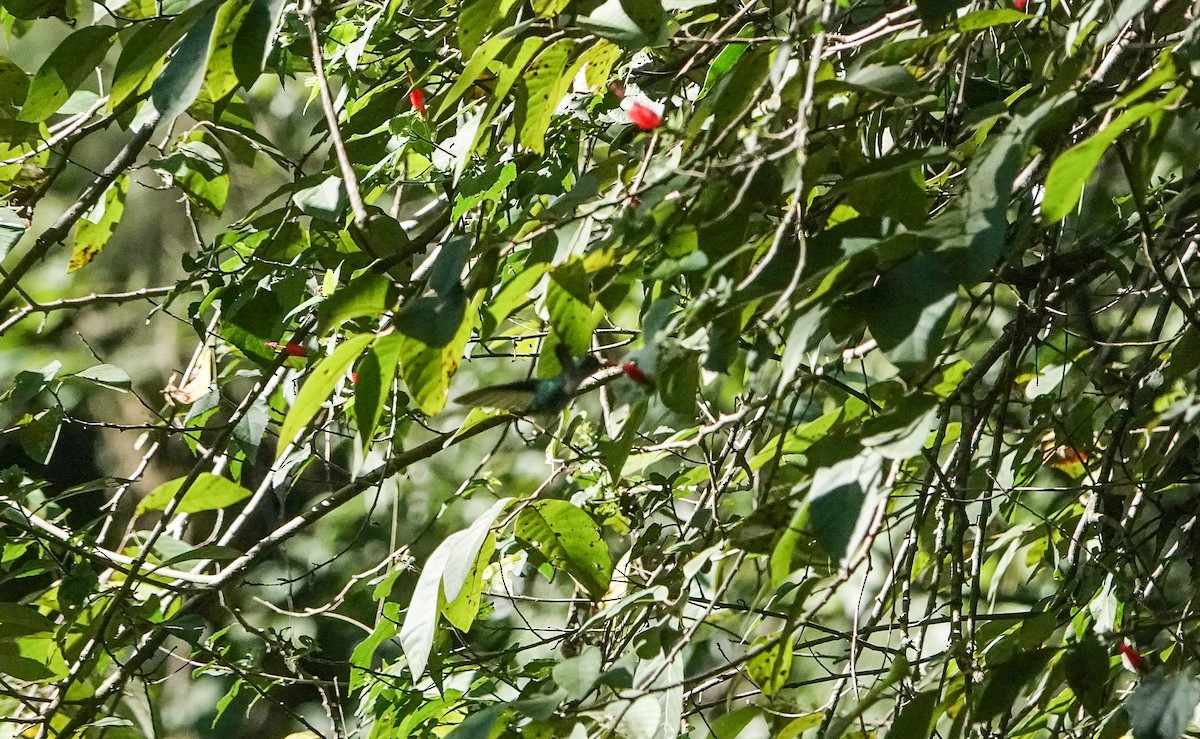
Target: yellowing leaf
x,y
97,225
545,85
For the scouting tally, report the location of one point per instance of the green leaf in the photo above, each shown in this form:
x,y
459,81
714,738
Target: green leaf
x,y
182,79
212,552
1005,682
980,20
785,548
568,538
34,659
770,668
325,376
427,369
885,80
486,188
327,200
480,724
444,575
474,21
577,675
18,620
934,12
725,61
142,53
98,224
513,294
363,654
915,719
462,610
1161,708
737,90
797,726
633,24
599,60
12,228
1085,666
376,369
549,8
731,725
201,172
1073,168
40,436
367,295
255,39
107,375
434,320
574,315
68,66
480,59
836,502
908,310
208,493
544,85
898,670
220,76
33,9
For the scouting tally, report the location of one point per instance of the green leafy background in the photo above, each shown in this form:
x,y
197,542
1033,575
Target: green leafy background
x,y
910,453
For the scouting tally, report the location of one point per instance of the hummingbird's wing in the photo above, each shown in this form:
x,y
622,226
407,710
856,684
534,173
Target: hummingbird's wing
x,y
514,397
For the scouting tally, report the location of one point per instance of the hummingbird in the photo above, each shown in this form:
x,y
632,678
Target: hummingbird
x,y
537,396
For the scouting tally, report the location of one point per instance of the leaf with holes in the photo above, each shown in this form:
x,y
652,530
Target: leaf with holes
x,y
770,668
98,224
543,86
569,539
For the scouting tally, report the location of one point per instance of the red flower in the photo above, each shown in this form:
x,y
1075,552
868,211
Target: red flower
x,y
1020,4
292,350
353,378
417,98
644,118
635,373
1135,658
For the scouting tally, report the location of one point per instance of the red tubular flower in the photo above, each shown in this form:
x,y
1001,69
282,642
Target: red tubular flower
x,y
1136,661
417,98
292,350
643,117
635,373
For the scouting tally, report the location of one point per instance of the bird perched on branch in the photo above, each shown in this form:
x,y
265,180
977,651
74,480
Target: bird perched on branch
x,y
537,396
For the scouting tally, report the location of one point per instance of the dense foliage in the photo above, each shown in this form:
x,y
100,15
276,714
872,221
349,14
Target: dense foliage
x,y
894,434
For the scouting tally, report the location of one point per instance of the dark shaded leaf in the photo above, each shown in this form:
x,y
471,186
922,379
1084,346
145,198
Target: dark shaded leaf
x,y
1161,708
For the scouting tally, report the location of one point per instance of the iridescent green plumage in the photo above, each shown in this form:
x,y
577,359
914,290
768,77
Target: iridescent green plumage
x,y
534,396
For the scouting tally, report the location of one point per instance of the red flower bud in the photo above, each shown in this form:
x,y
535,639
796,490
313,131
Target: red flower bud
x,y
635,373
292,350
353,378
1020,4
643,117
417,98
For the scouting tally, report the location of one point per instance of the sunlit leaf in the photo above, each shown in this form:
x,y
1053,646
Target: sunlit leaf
x,y
568,537
207,492
317,388
74,61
